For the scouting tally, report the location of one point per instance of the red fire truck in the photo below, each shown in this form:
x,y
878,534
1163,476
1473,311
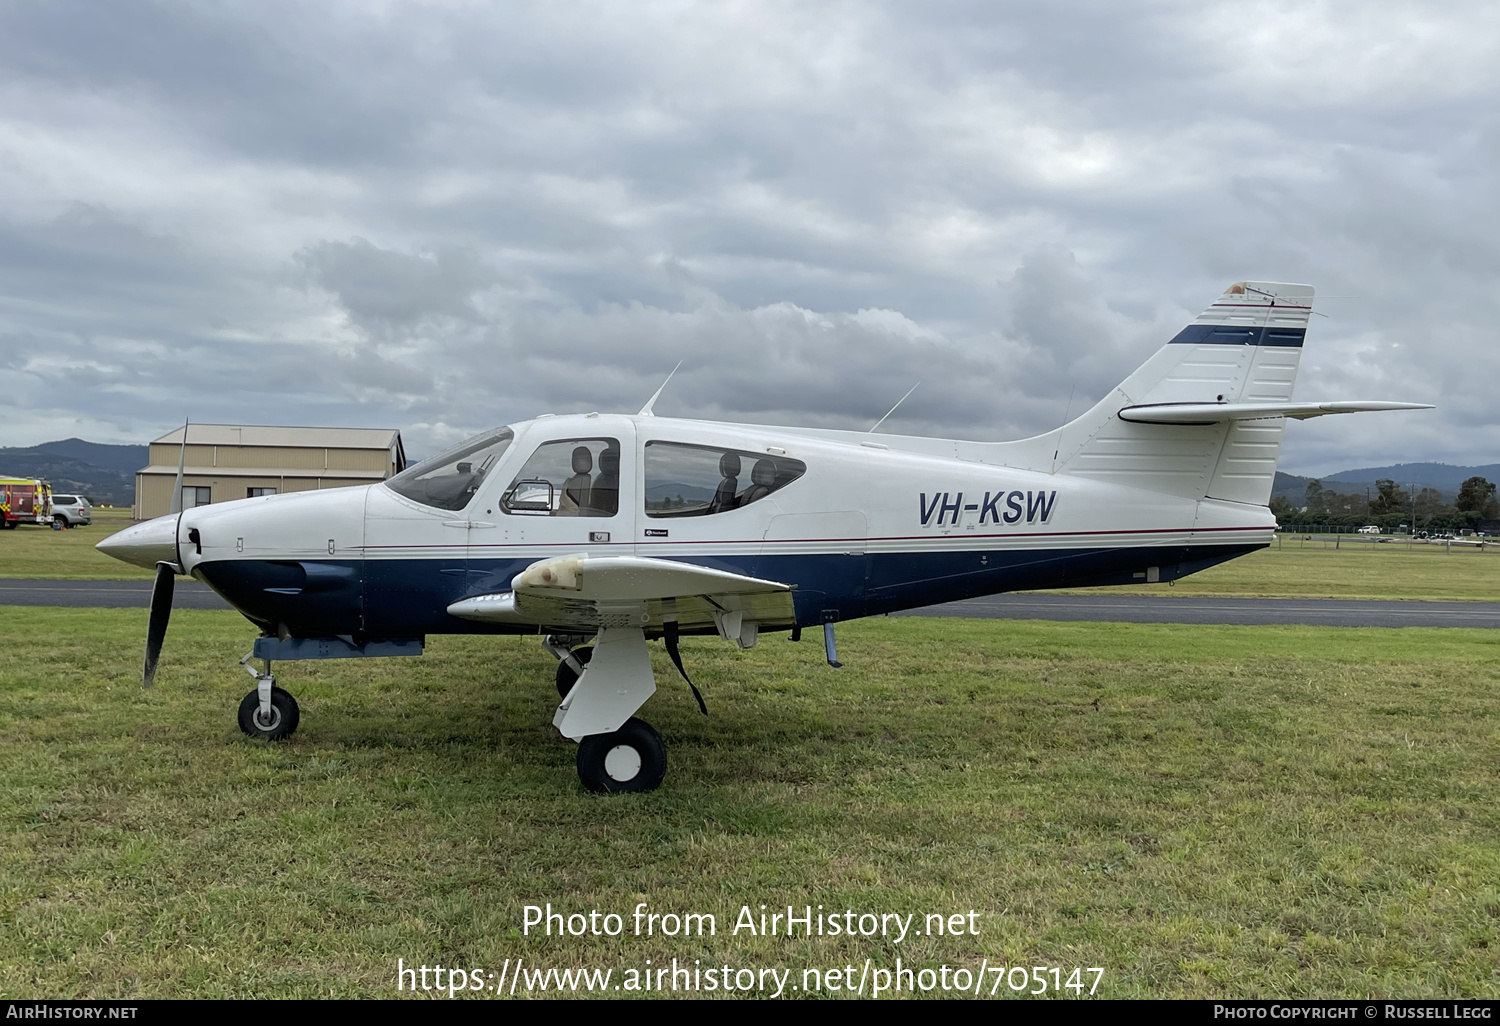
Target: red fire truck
x,y
24,501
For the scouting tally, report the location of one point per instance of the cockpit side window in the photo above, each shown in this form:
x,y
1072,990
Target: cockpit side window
x,y
700,480
574,477
450,479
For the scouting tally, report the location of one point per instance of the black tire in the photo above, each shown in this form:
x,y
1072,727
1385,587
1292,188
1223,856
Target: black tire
x,y
566,678
284,716
631,759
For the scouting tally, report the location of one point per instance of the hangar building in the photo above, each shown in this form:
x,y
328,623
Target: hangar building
x,y
225,461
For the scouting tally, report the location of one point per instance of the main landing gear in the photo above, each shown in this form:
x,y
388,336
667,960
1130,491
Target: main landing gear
x,y
632,758
267,712
601,688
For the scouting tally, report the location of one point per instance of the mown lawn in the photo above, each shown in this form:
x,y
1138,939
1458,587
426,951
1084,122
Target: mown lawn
x,y
32,550
1355,570
1202,811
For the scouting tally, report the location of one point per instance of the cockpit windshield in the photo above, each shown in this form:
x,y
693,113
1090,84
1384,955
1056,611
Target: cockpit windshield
x,y
450,479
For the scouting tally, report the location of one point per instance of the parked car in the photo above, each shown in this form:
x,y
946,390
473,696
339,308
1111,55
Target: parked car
x,y
1369,529
72,510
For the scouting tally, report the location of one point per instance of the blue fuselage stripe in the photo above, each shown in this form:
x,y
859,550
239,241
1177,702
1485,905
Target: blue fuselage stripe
x,y
409,597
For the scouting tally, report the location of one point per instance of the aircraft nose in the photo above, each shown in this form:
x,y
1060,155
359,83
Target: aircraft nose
x,y
146,544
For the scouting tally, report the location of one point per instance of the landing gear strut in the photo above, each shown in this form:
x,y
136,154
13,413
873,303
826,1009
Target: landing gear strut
x,y
268,712
566,675
602,687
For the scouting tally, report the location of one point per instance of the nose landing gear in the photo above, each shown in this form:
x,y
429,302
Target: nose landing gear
x,y
268,712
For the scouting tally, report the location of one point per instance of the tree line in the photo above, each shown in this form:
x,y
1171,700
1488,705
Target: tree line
x,y
1391,506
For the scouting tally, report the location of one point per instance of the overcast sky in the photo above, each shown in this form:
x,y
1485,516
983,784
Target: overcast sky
x,y
441,217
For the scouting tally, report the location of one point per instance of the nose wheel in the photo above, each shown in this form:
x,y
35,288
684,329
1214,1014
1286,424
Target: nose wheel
x,y
274,724
268,712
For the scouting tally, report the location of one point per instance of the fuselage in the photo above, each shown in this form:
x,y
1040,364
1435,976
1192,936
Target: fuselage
x,y
858,525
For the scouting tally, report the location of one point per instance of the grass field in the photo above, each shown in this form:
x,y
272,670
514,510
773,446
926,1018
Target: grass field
x,y
1296,570
1201,811
1354,570
32,550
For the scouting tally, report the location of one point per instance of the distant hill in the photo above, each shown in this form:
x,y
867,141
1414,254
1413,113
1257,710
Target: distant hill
x,y
1420,475
1409,476
102,473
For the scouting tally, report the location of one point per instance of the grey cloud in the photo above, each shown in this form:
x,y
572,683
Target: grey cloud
x,y
396,290
452,216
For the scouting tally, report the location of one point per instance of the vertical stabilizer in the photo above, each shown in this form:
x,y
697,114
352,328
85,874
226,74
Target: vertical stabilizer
x,y
1244,348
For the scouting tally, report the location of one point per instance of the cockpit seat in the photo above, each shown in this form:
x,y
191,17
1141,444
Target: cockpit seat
x,y
762,482
604,497
724,496
576,489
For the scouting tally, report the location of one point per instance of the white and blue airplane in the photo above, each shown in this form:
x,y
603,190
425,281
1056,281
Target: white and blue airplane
x,y
602,532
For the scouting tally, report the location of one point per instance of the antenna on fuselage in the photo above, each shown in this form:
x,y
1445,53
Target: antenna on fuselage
x,y
181,462
882,420
646,410
1060,427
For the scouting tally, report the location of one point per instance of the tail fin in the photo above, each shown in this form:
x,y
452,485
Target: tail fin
x,y
1244,349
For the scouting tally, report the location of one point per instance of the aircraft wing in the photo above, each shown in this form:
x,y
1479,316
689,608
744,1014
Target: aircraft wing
x,y
1214,413
588,592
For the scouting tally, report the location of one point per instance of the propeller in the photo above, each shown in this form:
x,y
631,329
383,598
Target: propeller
x,y
161,612
166,573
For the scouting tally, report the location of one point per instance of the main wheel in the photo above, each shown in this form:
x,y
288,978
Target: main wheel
x,y
281,722
629,759
566,678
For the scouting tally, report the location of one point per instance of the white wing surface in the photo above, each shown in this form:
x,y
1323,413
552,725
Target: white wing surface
x,y
588,592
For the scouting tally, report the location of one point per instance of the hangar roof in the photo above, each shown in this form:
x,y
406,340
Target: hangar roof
x,y
294,437
162,470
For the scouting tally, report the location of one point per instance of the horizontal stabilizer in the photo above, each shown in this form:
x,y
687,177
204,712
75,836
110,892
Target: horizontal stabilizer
x,y
1218,413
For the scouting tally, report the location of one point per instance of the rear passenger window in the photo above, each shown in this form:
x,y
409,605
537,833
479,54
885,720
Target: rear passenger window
x,y
700,480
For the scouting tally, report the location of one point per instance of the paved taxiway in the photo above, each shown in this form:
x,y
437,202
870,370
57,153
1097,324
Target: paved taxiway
x,y
1123,608
104,594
